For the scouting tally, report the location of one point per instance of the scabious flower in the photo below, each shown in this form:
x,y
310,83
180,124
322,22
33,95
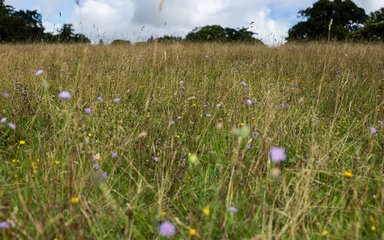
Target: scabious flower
x,y
5,95
88,110
233,209
255,134
4,225
167,229
277,154
248,102
3,120
39,72
156,159
373,130
284,106
96,166
104,175
218,105
116,100
100,99
114,155
12,126
243,84
65,95
248,146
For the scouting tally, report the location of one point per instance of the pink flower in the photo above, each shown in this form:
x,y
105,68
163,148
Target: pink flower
x,y
277,154
167,229
65,95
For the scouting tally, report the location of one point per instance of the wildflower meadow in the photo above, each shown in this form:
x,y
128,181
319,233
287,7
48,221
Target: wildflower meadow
x,y
192,141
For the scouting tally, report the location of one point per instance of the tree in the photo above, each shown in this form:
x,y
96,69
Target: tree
x,y
67,35
216,33
373,29
346,17
165,39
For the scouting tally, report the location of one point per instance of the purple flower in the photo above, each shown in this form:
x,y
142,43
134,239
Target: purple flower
x,y
277,154
218,105
248,146
233,209
243,84
100,99
156,159
167,229
104,175
5,95
3,120
96,166
88,110
116,100
255,134
12,126
284,106
4,225
39,72
114,155
248,102
373,130
65,95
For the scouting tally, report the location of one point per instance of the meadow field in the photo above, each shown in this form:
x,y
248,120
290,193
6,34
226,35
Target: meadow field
x,y
192,141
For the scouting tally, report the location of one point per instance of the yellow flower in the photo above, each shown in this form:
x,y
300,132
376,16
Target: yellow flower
x,y
57,161
348,174
206,211
192,232
14,161
242,124
194,105
373,228
163,213
324,232
90,134
22,142
75,199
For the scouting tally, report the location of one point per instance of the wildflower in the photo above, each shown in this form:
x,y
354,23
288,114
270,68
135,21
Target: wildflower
x,y
248,146
90,135
3,120
116,100
284,106
4,225
233,209
114,155
88,110
100,99
156,159
324,232
104,175
5,95
14,160
373,130
171,123
22,142
206,211
167,229
39,72
65,95
243,84
277,154
75,199
192,232
255,134
373,228
248,102
348,173
12,126
275,172
163,213
96,166
218,105
209,115
57,162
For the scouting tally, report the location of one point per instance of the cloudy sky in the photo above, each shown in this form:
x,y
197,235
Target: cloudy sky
x,y
137,20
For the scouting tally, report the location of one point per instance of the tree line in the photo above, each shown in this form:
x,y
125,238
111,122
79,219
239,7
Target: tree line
x,y
27,26
339,20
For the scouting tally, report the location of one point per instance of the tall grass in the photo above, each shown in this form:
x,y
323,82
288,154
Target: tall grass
x,y
52,186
